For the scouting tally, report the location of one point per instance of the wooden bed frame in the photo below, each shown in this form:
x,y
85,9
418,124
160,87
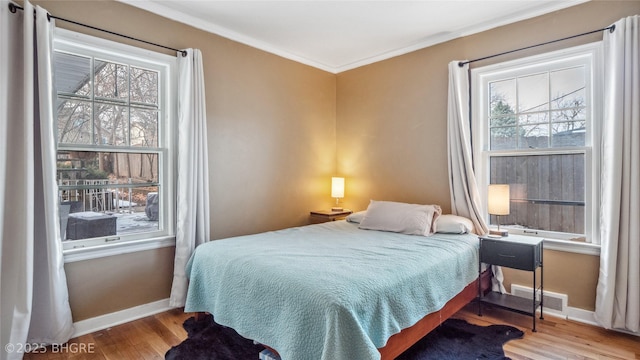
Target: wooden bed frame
x,y
403,340
398,343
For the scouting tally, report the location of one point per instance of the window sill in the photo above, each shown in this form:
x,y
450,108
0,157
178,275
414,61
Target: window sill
x,y
576,247
99,251
571,246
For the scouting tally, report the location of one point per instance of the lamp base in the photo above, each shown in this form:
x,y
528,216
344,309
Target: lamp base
x,y
501,233
336,208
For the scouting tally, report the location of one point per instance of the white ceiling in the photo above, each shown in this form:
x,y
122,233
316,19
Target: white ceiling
x,y
340,35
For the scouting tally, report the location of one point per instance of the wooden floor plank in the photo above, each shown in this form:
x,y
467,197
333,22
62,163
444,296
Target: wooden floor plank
x,y
561,338
151,337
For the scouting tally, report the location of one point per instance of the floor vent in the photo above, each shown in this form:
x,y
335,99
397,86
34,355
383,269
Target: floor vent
x,y
553,302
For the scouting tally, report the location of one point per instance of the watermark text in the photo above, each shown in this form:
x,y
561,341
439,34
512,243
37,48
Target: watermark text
x,y
35,348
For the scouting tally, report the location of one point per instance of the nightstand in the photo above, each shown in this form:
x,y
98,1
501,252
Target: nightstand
x,y
516,252
321,216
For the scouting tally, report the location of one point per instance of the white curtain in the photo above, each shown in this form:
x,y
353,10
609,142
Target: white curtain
x,y
618,290
193,170
34,296
465,198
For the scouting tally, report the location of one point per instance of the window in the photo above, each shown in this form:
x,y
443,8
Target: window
x,y
115,169
534,124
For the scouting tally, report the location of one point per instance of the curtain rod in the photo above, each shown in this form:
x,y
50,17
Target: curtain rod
x,y
610,28
13,8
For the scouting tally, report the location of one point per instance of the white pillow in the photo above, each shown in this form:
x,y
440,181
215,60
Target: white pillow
x,y
356,217
453,224
411,219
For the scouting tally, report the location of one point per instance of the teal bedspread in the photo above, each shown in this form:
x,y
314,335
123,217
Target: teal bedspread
x,y
329,291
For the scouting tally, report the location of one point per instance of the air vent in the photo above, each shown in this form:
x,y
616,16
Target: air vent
x,y
554,303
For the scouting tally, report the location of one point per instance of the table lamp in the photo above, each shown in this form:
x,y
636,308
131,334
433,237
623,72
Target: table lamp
x,y
498,204
337,191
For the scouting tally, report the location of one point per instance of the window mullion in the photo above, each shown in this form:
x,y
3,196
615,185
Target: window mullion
x,y
129,105
549,106
93,102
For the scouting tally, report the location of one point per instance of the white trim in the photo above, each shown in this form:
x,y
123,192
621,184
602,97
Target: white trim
x,y
573,314
582,315
442,38
568,313
587,55
125,247
162,10
102,322
158,8
572,247
66,41
556,244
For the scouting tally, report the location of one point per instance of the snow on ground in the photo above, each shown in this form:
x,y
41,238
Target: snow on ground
x,y
134,222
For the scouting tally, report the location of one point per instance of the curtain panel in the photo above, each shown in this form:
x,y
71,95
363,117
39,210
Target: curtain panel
x,y
34,296
618,289
465,197
192,225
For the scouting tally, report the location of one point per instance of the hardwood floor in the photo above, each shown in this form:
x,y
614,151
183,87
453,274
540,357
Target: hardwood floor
x,y
151,337
147,338
556,338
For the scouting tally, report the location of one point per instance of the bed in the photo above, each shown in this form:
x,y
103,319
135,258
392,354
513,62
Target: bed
x,y
334,291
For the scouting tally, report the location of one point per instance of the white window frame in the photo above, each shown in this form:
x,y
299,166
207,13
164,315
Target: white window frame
x,y
589,55
166,65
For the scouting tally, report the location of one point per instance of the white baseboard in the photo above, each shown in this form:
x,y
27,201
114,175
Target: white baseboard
x,y
582,315
101,322
574,314
588,317
562,310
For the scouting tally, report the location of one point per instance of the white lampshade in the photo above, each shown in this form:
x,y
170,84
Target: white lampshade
x,y
337,187
498,199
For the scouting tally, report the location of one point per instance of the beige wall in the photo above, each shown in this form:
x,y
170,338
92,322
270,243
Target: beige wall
x,y
278,130
392,123
566,273
113,283
271,130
